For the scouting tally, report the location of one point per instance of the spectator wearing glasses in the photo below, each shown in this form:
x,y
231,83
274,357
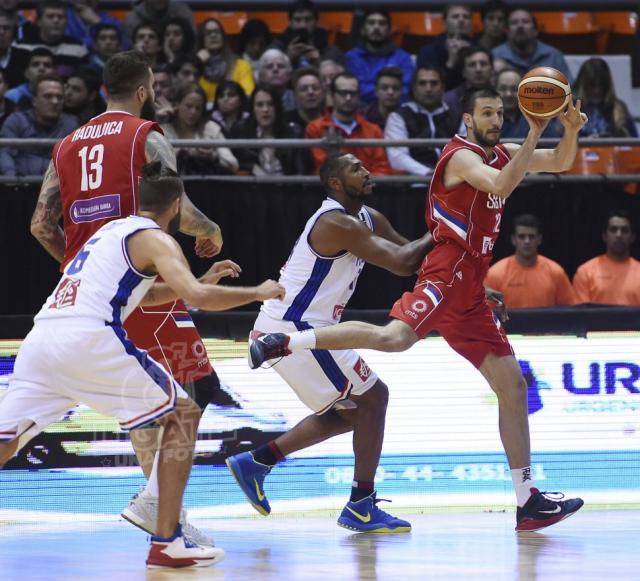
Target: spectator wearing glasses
x,y
219,60
345,121
527,279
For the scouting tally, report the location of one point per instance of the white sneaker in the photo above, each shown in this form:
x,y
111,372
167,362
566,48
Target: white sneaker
x,y
142,512
178,552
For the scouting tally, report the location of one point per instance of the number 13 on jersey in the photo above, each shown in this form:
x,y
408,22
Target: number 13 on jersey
x,y
91,160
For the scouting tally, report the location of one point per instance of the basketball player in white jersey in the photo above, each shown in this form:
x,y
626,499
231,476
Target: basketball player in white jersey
x,y
78,350
319,277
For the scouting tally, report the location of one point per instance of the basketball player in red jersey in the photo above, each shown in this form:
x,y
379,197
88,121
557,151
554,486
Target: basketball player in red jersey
x,y
470,184
93,179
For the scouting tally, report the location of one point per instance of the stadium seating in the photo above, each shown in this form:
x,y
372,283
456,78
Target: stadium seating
x,y
616,31
411,30
571,32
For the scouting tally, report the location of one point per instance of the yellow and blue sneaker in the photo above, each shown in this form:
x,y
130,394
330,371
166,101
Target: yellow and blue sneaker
x,y
364,516
250,475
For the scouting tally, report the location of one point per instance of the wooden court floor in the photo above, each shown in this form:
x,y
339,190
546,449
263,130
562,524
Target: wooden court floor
x,y
591,546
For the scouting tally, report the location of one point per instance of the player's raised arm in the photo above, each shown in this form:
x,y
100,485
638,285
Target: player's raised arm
x,y
560,158
45,221
192,222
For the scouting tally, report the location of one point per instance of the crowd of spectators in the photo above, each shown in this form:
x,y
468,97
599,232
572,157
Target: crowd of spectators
x,y
259,85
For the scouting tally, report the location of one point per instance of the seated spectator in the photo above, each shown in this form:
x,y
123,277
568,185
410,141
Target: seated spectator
x,y
83,17
51,21
82,94
528,279
309,99
328,69
523,51
388,95
443,51
13,61
345,121
21,22
612,278
608,115
40,62
494,24
477,71
425,116
274,71
186,70
45,120
190,122
165,91
375,52
148,40
304,42
107,41
179,39
219,60
266,121
255,37
230,106
157,13
6,106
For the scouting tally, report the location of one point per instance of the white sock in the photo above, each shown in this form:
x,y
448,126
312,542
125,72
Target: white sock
x,y
302,340
153,488
522,483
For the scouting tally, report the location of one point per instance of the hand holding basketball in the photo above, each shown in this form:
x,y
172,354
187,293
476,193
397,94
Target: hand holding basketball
x,y
573,119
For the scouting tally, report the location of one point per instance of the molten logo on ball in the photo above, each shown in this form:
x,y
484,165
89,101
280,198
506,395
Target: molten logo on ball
x,y
544,92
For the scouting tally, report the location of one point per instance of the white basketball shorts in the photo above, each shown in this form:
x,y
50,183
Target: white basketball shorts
x,y
320,378
65,362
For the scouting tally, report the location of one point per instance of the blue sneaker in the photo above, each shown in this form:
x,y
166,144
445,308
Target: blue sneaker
x,y
364,516
250,475
544,509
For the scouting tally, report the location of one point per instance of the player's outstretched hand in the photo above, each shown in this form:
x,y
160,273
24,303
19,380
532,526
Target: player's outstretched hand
x,y
496,300
209,246
220,270
573,119
270,289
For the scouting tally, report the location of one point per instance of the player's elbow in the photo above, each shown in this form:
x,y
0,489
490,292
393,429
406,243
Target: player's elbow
x,y
39,230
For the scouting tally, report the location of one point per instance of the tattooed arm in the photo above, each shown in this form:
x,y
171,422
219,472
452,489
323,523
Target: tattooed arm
x,y
45,222
192,221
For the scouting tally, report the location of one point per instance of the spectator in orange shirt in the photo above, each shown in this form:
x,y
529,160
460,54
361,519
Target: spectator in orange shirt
x,y
612,278
346,121
528,279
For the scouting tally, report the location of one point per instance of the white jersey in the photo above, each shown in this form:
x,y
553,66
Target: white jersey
x,y
318,287
101,282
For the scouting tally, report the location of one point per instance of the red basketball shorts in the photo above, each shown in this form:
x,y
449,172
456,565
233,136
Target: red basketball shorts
x,y
449,298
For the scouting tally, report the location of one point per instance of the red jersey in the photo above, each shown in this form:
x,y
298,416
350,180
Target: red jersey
x,y
463,214
99,167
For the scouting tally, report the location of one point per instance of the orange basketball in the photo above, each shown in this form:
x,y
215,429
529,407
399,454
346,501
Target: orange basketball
x,y
544,92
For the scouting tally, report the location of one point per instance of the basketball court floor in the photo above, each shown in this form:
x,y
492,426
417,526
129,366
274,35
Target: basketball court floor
x,y
593,545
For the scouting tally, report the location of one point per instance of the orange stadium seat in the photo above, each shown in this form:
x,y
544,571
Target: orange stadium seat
x,y
412,30
628,162
276,21
476,23
232,22
119,14
594,161
616,31
571,32
338,25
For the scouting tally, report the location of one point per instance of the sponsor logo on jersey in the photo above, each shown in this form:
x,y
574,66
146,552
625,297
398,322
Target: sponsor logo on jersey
x,y
93,209
362,369
487,244
66,294
337,312
97,131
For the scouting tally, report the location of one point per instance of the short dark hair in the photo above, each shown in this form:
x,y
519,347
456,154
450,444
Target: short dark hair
x,y
618,213
382,11
468,51
177,64
526,220
448,7
89,76
342,75
302,6
53,77
160,186
469,99
40,51
395,72
531,14
106,26
124,72
331,168
303,72
50,4
254,28
150,25
492,6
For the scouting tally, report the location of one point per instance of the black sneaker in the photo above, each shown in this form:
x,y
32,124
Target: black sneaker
x,y
543,510
263,347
